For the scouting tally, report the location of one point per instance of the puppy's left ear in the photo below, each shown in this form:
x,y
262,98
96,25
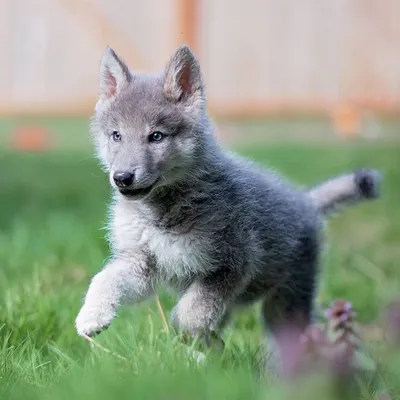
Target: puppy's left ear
x,y
183,80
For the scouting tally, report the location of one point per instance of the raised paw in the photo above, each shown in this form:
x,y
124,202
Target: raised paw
x,y
92,321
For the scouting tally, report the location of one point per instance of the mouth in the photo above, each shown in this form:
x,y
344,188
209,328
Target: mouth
x,y
137,193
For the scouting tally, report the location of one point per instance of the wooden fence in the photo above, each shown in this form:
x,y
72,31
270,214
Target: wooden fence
x,y
258,56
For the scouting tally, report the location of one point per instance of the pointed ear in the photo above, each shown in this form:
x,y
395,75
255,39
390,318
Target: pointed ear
x,y
114,74
183,80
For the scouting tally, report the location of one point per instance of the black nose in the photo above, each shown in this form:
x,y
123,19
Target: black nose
x,y
123,179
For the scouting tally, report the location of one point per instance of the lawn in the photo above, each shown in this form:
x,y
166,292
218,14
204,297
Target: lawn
x,y
53,210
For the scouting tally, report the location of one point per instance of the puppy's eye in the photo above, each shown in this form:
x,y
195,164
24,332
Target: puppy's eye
x,y
156,137
116,136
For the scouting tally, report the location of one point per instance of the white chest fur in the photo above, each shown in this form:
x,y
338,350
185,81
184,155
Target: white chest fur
x,y
177,255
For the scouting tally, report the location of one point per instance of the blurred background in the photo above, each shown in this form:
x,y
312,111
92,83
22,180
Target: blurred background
x,y
336,59
310,88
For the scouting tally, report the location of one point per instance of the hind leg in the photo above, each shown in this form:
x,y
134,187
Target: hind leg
x,y
288,307
288,310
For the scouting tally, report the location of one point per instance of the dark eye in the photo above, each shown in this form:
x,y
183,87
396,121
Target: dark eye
x,y
156,137
116,136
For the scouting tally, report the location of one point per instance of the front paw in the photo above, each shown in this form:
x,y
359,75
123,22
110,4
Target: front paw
x,y
93,320
195,314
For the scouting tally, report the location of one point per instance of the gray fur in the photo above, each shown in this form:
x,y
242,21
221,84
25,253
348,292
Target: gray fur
x,y
219,229
345,190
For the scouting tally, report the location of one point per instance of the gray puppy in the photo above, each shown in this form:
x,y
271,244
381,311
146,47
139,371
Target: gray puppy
x,y
220,230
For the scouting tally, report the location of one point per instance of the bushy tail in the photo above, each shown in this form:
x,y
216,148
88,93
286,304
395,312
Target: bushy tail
x,y
346,189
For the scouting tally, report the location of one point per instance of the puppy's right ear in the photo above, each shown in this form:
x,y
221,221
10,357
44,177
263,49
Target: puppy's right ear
x,y
114,75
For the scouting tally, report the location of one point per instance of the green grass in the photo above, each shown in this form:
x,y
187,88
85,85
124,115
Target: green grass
x,y
53,210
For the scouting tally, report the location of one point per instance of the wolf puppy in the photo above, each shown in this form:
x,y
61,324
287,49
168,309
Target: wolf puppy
x,y
218,229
